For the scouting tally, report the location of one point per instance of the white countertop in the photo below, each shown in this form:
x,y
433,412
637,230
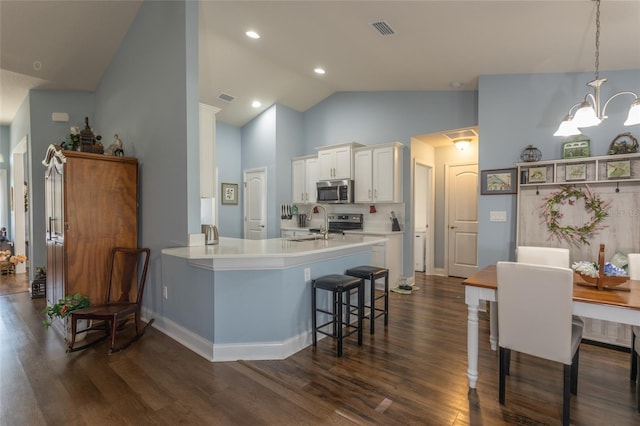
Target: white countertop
x,y
275,253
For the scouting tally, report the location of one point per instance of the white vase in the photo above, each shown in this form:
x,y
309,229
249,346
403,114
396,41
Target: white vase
x,y
81,325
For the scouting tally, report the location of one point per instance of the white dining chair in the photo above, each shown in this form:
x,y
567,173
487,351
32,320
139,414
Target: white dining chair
x,y
543,329
634,274
549,256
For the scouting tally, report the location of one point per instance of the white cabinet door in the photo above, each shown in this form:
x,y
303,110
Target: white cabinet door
x,y
343,162
363,191
311,178
378,174
298,184
335,163
383,175
326,164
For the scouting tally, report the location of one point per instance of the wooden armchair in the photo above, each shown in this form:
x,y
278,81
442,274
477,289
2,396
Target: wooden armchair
x,y
125,289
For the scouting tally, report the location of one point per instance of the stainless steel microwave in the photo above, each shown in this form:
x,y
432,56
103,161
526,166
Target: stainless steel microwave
x,y
335,191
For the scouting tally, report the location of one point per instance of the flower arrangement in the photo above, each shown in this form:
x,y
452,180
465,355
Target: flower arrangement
x,y
6,256
65,305
569,195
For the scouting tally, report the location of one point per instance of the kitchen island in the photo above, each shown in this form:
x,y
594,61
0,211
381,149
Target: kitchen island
x,y
250,299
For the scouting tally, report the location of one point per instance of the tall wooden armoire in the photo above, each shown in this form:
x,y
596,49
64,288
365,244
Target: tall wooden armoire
x,y
91,206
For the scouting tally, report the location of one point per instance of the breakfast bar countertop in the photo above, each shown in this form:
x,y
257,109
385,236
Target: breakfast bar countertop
x,y
275,253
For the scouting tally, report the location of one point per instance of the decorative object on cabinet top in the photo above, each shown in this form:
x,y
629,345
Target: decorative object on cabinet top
x,y
576,147
624,143
116,148
530,154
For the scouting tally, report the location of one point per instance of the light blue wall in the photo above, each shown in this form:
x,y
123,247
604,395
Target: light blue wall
x,y
289,142
45,132
146,96
259,151
517,110
229,163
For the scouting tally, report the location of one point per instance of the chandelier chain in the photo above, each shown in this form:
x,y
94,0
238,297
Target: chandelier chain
x,y
597,39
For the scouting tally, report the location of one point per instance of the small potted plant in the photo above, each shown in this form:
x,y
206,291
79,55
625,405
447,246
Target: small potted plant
x,y
62,309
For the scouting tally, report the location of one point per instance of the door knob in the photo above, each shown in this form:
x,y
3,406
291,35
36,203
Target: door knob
x,y
452,227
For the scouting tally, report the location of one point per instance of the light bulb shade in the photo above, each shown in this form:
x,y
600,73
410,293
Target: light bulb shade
x,y
567,128
462,145
585,116
634,114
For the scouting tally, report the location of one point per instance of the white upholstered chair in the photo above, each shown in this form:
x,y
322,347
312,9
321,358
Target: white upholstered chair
x,y
634,274
542,328
549,256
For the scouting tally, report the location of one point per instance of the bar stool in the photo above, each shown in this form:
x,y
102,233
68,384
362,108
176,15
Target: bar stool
x,y
340,286
372,273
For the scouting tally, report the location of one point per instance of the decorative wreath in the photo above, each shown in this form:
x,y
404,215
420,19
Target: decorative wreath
x,y
569,195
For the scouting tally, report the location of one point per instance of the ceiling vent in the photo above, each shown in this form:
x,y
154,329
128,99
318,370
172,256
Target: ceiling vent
x,y
226,97
461,134
383,28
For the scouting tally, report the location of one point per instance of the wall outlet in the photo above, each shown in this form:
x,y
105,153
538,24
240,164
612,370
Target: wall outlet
x,y
164,292
307,274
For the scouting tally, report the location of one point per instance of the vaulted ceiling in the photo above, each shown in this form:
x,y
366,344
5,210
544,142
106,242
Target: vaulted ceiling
x,y
67,45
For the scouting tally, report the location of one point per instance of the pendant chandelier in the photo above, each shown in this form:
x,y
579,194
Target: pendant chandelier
x,y
588,113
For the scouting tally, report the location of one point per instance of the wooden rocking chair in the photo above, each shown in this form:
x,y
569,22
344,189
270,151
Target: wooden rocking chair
x,y
123,276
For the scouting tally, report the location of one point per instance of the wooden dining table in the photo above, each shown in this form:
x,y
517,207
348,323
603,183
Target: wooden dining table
x,y
609,305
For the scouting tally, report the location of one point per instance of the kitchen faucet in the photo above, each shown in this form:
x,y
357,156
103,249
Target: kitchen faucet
x,y
324,230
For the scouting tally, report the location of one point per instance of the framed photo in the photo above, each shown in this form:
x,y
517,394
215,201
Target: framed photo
x,y
576,149
576,172
498,181
618,169
537,174
229,193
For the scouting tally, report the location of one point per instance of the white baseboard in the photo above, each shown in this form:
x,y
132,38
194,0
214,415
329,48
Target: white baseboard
x,y
228,352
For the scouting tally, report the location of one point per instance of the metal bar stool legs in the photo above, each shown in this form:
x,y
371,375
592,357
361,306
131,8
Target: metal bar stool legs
x,y
373,273
340,287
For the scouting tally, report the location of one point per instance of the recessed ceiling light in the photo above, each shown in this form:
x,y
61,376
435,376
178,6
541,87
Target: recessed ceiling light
x,y
256,104
252,34
319,70
456,84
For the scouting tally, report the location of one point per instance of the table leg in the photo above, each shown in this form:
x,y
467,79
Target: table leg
x,y
493,325
472,344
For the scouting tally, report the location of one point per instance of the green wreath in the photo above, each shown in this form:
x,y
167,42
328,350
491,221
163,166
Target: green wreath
x,y
569,195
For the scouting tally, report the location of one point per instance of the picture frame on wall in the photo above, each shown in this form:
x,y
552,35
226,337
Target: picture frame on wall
x,y
537,175
618,169
498,181
229,193
576,171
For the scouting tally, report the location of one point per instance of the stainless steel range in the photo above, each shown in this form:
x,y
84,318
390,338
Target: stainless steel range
x,y
340,222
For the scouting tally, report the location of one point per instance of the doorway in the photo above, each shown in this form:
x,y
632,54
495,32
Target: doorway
x,y
255,204
423,217
20,203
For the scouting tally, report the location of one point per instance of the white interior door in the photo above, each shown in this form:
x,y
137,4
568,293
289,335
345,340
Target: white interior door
x,y
255,204
462,219
19,214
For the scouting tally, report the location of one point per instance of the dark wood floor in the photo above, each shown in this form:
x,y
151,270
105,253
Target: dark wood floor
x,y
412,373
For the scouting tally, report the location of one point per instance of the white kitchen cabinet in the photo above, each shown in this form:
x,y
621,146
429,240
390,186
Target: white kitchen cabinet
x,y
336,161
378,174
387,255
304,175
